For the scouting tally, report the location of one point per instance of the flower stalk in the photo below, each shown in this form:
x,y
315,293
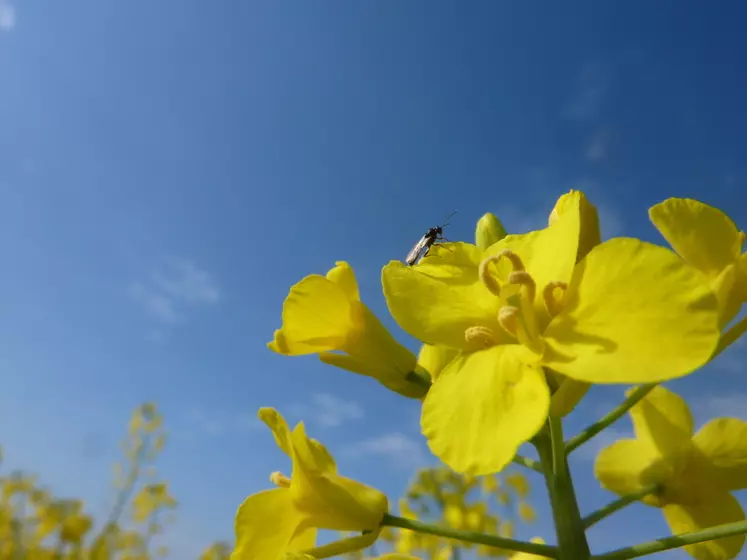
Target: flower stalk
x,y
676,541
470,536
610,418
617,505
731,336
569,527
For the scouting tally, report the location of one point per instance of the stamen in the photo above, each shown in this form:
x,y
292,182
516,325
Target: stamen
x,y
508,317
553,301
280,480
491,283
523,279
488,279
518,266
480,337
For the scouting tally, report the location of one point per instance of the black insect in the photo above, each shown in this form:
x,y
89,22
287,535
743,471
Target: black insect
x,y
424,244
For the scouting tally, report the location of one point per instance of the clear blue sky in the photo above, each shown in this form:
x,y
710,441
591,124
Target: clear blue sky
x,y
168,169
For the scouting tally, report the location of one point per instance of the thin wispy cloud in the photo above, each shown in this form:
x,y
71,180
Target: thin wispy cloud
x,y
172,291
732,405
596,150
395,449
327,411
586,102
7,16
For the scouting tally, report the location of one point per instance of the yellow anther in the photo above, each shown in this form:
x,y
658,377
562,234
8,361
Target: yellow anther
x,y
516,263
488,279
279,479
508,317
523,279
480,337
552,296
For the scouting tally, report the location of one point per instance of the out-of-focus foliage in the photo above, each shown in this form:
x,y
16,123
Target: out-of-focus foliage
x,y
37,525
488,504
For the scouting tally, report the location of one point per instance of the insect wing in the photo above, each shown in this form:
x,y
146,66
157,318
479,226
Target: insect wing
x,y
414,253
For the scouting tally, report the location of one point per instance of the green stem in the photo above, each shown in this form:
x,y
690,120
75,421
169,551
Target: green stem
x,y
676,541
470,536
568,525
617,505
731,336
610,418
528,463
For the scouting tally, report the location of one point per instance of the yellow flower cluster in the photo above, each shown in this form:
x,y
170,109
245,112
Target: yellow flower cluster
x,y
515,329
35,525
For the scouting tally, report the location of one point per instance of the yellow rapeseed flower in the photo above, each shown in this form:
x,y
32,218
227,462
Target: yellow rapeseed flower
x,y
285,519
695,474
628,312
434,359
710,241
324,315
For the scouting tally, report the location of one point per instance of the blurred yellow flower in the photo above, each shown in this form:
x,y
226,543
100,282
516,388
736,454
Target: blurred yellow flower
x,y
628,312
284,520
324,315
710,241
695,474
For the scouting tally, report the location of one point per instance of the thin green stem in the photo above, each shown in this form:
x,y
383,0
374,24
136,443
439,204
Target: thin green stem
x,y
470,536
617,505
610,418
676,541
528,463
568,526
731,336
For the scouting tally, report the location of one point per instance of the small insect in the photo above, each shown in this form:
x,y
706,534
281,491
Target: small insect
x,y
424,244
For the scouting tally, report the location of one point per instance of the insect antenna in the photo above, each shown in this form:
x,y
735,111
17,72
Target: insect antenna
x,y
446,220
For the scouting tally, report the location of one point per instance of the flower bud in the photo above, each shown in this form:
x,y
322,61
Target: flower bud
x,y
489,230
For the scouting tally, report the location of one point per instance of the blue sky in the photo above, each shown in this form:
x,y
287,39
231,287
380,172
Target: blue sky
x,y
168,169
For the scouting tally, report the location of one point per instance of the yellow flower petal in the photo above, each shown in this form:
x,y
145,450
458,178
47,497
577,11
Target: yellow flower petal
x,y
589,235
438,303
633,313
482,407
729,294
662,420
342,275
310,456
742,276
724,443
265,525
720,509
373,351
330,500
627,466
317,317
435,358
568,394
303,539
703,235
279,427
548,255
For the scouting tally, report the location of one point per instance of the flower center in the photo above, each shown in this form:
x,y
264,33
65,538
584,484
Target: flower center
x,y
517,292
